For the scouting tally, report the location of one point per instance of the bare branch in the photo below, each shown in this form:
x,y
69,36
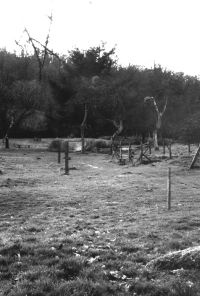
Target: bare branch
x,y
36,50
42,54
18,44
85,116
148,99
114,123
47,39
30,39
47,49
156,107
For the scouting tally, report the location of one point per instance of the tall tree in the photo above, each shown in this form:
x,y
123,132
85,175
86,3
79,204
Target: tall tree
x,y
88,69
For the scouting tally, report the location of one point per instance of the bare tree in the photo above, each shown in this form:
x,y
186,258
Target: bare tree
x,y
159,115
40,54
89,86
41,50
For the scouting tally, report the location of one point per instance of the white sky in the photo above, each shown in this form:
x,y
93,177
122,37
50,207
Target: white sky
x,y
166,32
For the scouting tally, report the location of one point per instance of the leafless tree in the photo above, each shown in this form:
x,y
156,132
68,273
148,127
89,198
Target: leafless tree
x,y
159,116
41,50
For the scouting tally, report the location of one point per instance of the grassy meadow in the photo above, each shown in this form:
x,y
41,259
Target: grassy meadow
x,y
93,232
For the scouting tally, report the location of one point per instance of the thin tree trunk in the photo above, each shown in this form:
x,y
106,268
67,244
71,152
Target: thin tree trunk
x,y
155,139
6,137
119,127
83,125
15,122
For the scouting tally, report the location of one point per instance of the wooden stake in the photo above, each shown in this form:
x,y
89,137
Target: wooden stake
x,y
169,189
82,142
163,147
59,152
7,142
120,151
67,158
170,151
189,150
141,155
129,152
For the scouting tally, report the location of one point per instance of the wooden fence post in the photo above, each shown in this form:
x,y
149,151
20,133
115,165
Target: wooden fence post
x,y
189,150
129,151
169,189
163,147
120,151
67,158
7,142
170,151
59,152
141,155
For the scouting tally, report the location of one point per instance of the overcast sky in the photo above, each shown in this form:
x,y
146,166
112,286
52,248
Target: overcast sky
x,y
165,32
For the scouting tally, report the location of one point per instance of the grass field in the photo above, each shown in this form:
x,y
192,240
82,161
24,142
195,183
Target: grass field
x,y
94,231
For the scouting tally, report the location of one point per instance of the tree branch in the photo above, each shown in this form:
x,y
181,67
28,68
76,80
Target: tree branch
x,y
36,53
164,109
48,50
85,116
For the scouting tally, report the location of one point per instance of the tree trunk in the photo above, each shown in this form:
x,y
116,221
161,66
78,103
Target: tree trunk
x,y
119,127
158,120
7,142
155,139
6,137
83,125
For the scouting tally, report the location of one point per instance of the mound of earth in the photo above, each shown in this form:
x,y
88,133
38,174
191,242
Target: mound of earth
x,y
187,259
